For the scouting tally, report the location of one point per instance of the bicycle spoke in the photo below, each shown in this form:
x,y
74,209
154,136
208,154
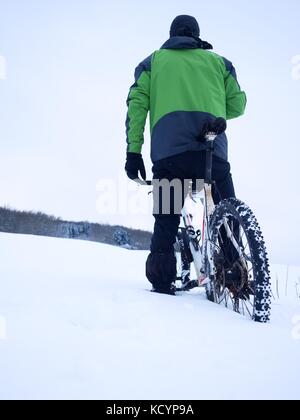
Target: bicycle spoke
x,y
237,306
245,248
243,308
226,300
243,235
253,291
249,301
223,298
248,309
248,258
233,302
250,269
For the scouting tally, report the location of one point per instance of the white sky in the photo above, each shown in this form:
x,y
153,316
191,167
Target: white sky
x,y
69,66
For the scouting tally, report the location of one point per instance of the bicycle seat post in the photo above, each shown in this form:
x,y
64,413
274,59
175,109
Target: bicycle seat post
x,y
210,143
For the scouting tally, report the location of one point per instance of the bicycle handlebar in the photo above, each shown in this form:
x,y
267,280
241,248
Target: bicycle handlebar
x,y
143,183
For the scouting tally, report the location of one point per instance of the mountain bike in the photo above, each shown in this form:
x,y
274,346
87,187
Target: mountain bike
x,y
228,253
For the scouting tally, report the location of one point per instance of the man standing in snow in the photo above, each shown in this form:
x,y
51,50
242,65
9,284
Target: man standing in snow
x,y
183,85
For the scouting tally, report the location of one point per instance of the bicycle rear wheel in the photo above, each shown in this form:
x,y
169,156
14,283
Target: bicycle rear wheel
x,y
242,276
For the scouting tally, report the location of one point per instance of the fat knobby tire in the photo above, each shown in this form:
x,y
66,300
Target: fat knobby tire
x,y
261,269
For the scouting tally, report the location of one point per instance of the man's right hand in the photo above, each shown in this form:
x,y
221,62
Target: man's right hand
x,y
217,126
135,166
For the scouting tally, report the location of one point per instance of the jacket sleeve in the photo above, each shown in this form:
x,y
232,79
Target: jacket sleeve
x,y
236,99
138,103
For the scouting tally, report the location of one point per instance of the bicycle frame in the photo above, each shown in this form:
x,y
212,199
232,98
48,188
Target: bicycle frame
x,y
201,252
202,255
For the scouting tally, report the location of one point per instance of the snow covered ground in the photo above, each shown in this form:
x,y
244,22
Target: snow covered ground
x,y
77,321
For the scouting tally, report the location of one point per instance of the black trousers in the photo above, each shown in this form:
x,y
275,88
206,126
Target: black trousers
x,y
189,165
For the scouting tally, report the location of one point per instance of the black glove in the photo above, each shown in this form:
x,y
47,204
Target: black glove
x,y
217,126
220,126
134,166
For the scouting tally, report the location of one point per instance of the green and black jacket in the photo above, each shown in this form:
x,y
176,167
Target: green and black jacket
x,y
182,85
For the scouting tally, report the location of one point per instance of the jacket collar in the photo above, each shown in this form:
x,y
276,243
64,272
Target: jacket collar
x,y
185,43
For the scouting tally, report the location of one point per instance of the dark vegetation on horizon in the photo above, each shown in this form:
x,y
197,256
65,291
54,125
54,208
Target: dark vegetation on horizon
x,y
40,224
